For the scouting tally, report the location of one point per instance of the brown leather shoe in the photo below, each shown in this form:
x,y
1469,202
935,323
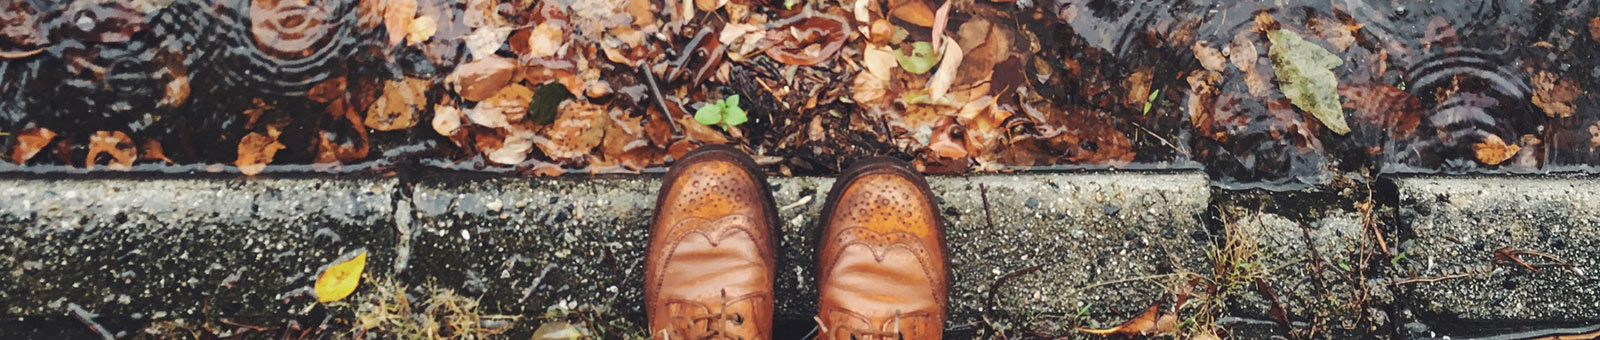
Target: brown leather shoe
x,y
710,264
883,272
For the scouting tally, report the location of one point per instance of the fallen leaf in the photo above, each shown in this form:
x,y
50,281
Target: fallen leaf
x,y
153,151
446,120
484,41
1242,51
1554,94
1138,326
1332,31
811,41
1386,106
921,59
399,106
1594,28
578,128
1210,58
1138,88
1594,136
482,78
915,12
513,150
255,151
341,279
327,90
290,29
945,76
510,104
29,142
397,17
1493,150
879,60
559,330
545,40
421,29
1305,72
115,144
868,88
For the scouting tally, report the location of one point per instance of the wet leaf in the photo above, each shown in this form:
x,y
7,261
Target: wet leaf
x,y
21,32
115,144
400,105
868,88
1389,108
546,102
559,330
1210,58
397,17
341,279
1138,326
255,151
1493,150
446,120
1594,28
546,40
1554,94
29,142
1139,88
480,79
578,128
152,151
920,60
484,41
328,90
421,29
1305,72
512,150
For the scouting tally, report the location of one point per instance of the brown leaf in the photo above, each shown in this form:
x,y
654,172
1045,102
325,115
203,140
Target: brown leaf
x,y
1554,94
1210,58
1493,150
510,105
152,151
479,79
399,106
945,76
446,120
1138,326
512,150
29,142
1385,106
1242,51
545,40
1594,28
327,90
1335,32
255,151
915,12
810,41
1138,88
578,129
978,63
397,17
115,144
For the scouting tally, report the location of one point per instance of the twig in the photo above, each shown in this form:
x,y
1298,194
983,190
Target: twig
x,y
242,325
983,194
1162,139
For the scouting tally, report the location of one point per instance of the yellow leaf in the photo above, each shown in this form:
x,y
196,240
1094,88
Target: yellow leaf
x,y
341,279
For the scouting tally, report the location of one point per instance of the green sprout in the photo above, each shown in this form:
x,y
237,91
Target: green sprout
x,y
921,59
1151,100
725,111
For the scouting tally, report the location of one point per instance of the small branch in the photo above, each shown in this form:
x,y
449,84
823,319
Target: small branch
x,y
1434,279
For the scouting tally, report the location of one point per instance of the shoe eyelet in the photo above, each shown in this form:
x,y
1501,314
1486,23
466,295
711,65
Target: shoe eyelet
x,y
738,319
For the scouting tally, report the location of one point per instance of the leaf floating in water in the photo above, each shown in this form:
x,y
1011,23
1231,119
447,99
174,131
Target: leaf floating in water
x,y
341,279
1554,94
115,144
398,107
546,101
29,142
1305,72
255,151
1493,150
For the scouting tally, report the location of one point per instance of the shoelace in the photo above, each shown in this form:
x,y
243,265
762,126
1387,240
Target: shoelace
x,y
864,334
716,321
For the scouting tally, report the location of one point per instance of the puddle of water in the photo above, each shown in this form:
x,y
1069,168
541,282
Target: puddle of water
x,y
244,86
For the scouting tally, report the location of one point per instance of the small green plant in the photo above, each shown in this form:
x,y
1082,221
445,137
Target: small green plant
x,y
725,111
1152,99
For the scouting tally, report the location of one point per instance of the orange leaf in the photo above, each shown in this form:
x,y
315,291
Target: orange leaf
x,y
398,107
255,151
1493,150
397,17
1138,326
115,144
29,142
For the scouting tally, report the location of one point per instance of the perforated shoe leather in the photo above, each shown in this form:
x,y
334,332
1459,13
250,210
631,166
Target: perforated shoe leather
x,y
710,264
882,269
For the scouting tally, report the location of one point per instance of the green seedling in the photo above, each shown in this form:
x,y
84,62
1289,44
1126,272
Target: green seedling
x,y
1151,100
725,111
